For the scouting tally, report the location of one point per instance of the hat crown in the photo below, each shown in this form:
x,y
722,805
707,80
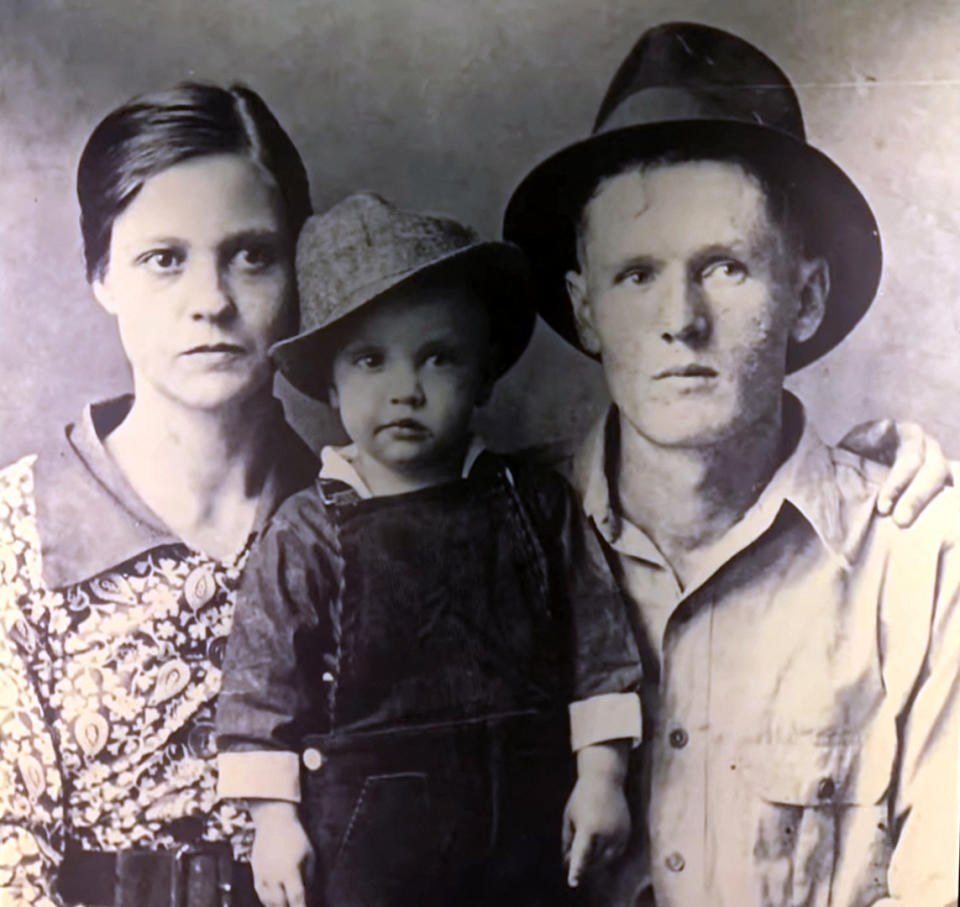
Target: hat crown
x,y
362,244
687,71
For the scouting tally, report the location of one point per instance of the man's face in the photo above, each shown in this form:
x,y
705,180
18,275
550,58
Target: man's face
x,y
688,292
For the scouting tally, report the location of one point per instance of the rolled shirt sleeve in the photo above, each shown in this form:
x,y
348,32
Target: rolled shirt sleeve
x,y
607,670
282,610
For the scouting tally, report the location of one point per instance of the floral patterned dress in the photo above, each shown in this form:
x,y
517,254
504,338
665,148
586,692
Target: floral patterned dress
x,y
108,684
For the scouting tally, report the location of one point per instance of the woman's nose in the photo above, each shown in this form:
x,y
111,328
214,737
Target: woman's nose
x,y
210,297
683,313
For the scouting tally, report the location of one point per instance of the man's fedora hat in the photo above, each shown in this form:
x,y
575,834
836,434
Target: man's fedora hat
x,y
364,249
691,92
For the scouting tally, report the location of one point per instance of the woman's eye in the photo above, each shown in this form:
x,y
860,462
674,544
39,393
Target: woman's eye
x,y
255,258
731,272
163,261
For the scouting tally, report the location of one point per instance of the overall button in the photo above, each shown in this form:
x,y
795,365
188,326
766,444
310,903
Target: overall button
x,y
679,738
675,862
826,788
312,759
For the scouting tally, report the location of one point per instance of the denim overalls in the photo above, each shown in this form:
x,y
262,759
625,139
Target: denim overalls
x,y
444,766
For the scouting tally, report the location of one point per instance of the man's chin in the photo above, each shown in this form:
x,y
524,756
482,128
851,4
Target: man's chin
x,y
677,427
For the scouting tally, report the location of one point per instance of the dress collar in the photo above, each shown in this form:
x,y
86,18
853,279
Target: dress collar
x,y
339,463
89,517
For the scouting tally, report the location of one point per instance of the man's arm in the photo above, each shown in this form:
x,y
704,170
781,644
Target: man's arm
x,y
926,808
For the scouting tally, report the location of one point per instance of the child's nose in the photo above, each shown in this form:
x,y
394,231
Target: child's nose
x,y
407,389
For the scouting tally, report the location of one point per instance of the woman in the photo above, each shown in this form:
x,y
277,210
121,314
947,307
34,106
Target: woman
x,y
121,548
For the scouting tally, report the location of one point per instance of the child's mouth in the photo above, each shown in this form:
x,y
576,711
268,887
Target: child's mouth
x,y
405,427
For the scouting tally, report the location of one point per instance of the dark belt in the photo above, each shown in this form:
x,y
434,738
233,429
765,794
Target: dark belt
x,y
192,875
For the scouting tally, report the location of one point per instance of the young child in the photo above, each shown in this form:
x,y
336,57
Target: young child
x,y
411,629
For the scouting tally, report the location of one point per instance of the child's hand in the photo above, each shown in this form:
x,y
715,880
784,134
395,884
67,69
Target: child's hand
x,y
282,858
596,821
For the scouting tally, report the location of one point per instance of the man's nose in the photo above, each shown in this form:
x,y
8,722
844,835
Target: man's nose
x,y
683,315
210,296
407,389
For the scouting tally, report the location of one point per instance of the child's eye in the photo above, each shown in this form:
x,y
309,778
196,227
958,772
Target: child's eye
x,y
439,360
162,261
368,360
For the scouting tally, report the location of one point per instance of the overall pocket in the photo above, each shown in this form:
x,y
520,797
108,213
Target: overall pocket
x,y
389,850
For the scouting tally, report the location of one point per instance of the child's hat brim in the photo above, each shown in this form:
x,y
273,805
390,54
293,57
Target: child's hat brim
x,y
341,271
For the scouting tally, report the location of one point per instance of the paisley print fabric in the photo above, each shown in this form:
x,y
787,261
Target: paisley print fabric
x,y
107,692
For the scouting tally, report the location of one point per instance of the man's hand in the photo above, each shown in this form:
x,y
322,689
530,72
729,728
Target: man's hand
x,y
919,470
282,858
596,821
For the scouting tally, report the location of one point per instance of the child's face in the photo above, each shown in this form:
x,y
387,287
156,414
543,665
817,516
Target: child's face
x,y
407,377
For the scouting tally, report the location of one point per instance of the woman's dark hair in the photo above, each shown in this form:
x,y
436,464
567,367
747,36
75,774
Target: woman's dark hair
x,y
152,132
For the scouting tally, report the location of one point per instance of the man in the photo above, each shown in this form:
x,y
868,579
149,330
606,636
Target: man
x,y
801,725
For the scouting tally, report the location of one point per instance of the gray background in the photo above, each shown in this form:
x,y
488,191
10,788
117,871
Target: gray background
x,y
443,105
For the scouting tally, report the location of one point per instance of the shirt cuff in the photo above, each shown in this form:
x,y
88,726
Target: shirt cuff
x,y
259,774
609,716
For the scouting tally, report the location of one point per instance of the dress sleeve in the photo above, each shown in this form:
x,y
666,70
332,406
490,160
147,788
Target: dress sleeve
x,y
273,667
607,670
31,810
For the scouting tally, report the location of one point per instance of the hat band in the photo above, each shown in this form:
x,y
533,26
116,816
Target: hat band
x,y
763,105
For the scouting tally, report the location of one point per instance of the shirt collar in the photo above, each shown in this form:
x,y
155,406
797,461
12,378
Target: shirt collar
x,y
89,517
339,463
807,480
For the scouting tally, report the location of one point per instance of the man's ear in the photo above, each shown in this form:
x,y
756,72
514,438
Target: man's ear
x,y
813,289
582,313
103,295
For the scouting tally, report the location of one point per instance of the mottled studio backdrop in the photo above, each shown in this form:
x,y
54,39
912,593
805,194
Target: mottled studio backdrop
x,y
443,104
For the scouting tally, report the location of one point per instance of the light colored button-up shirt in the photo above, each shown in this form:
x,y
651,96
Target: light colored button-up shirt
x,y
802,736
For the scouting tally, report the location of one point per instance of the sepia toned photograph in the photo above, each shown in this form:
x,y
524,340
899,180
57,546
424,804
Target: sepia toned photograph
x,y
484,454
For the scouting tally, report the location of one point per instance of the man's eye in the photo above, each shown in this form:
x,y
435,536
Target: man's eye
x,y
162,261
638,277
728,271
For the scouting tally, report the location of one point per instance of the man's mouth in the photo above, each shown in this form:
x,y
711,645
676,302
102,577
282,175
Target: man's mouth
x,y
687,371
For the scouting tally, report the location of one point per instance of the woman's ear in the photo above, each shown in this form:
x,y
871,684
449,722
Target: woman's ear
x,y
582,312
103,295
813,289
333,398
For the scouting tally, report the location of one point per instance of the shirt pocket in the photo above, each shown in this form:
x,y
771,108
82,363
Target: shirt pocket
x,y
814,772
816,820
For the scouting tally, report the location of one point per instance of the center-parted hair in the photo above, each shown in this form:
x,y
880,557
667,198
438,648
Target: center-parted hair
x,y
155,131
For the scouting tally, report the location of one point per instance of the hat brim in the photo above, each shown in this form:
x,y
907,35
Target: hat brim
x,y
837,223
499,274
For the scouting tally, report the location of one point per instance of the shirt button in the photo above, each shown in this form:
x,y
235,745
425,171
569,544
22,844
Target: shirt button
x,y
312,759
675,862
679,738
826,788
